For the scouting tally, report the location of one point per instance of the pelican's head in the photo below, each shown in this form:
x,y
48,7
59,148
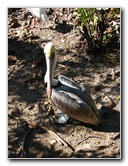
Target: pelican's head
x,y
49,49
50,55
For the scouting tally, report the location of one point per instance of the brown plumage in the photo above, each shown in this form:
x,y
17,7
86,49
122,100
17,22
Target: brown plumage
x,y
68,95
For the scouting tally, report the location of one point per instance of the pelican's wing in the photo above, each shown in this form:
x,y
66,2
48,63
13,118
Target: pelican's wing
x,y
68,82
89,100
74,107
35,11
76,89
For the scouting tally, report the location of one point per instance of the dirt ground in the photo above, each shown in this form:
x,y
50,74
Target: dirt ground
x,y
32,132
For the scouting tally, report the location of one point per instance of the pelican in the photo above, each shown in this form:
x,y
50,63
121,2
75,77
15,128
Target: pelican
x,y
39,13
72,101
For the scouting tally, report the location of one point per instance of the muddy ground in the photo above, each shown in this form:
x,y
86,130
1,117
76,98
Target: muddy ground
x,y
32,132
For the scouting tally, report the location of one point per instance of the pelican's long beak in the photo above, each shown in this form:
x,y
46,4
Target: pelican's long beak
x,y
49,81
49,51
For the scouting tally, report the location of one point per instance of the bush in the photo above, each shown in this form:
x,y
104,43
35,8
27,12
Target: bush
x,y
100,27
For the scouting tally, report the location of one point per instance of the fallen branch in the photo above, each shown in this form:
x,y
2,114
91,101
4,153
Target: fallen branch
x,y
59,139
22,144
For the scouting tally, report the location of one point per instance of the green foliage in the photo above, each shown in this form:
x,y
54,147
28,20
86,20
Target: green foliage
x,y
87,16
95,26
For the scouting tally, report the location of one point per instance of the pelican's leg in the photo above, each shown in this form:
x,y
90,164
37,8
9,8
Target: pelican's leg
x,y
61,118
39,22
34,23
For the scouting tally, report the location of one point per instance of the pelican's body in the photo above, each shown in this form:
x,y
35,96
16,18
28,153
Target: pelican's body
x,y
39,13
68,95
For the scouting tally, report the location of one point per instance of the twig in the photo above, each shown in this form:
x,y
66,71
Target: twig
x,y
11,71
84,139
113,103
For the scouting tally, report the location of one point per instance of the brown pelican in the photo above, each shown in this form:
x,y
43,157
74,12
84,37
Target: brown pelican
x,y
67,96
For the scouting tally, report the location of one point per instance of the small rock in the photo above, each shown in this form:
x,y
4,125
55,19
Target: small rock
x,y
52,141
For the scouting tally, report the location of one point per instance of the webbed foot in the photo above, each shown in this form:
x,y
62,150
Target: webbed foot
x,y
61,118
